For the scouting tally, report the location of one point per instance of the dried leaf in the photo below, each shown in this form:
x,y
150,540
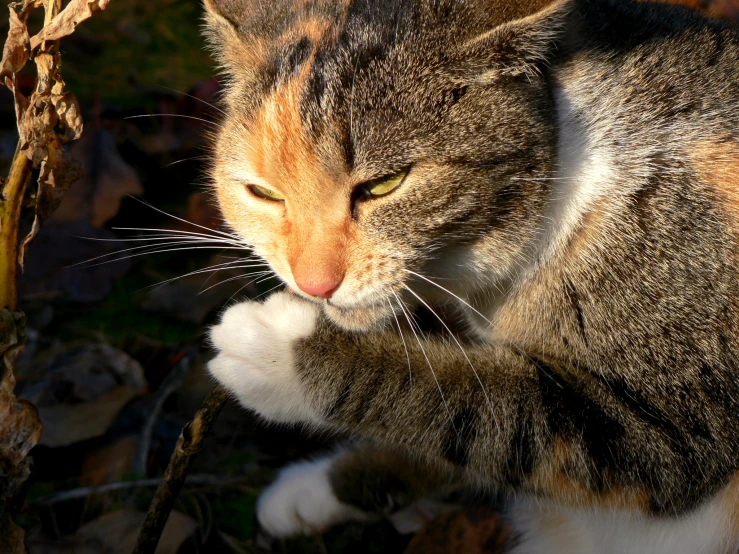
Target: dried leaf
x,y
70,118
474,530
80,388
16,50
109,463
56,176
67,20
20,426
67,424
118,530
11,536
115,180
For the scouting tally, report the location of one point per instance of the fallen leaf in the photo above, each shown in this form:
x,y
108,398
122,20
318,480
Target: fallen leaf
x,y
117,531
11,536
66,21
79,389
107,180
67,424
109,463
474,530
40,544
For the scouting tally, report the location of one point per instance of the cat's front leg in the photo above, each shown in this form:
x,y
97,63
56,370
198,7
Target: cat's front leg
x,y
256,361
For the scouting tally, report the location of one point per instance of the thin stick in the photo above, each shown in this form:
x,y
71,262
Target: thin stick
x,y
188,446
84,492
172,382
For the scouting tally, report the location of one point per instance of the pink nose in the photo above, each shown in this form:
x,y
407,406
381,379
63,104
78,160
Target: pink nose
x,y
320,290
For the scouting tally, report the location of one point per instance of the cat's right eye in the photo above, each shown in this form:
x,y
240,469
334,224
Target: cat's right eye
x,y
265,194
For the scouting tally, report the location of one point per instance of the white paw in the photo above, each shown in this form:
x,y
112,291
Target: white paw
x,y
255,342
301,501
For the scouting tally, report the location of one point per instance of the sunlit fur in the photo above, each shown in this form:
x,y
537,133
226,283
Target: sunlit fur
x,y
571,188
293,139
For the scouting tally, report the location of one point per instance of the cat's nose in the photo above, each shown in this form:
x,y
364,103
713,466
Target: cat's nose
x,y
323,289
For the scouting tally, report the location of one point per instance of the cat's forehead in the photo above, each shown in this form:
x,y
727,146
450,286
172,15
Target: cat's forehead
x,y
275,144
310,117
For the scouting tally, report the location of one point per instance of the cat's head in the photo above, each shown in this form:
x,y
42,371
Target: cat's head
x,y
374,145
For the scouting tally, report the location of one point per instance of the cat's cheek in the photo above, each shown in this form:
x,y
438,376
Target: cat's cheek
x,y
256,343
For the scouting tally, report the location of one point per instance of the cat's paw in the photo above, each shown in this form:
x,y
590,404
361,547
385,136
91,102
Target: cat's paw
x,y
302,501
255,361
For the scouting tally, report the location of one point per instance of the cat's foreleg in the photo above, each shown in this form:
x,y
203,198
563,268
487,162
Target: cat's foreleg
x,y
505,416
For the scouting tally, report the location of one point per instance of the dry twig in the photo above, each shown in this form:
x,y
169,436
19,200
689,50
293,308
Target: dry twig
x,y
188,445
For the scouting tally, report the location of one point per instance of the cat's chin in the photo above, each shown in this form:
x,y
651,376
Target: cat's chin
x,y
356,319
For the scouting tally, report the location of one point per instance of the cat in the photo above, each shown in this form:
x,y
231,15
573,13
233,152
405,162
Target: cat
x,y
564,175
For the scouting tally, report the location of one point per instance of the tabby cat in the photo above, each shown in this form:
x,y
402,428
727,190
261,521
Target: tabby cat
x,y
565,177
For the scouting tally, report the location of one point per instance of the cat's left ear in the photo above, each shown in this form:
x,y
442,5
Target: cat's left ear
x,y
514,48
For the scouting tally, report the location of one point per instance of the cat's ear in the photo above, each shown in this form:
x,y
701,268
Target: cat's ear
x,y
238,33
517,47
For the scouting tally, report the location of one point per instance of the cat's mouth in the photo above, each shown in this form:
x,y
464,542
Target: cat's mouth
x,y
359,317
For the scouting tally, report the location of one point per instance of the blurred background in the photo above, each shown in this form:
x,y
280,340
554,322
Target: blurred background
x,y
116,321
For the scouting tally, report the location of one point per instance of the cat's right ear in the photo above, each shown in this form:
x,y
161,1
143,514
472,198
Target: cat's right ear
x,y
514,48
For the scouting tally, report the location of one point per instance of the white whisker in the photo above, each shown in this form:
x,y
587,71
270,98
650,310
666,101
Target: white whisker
x,y
405,347
433,373
156,252
184,160
182,220
450,293
194,98
255,276
212,123
454,338
213,269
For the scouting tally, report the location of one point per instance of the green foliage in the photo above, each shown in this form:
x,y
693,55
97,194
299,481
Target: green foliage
x,y
137,43
115,317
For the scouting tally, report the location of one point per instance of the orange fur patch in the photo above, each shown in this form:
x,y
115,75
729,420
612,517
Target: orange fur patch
x,y
319,226
730,506
552,480
717,165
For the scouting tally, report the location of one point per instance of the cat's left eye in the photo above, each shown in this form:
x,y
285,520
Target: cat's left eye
x,y
265,193
383,185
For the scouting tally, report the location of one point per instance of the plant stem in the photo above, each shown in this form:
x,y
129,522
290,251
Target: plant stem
x,y
11,202
10,213
188,445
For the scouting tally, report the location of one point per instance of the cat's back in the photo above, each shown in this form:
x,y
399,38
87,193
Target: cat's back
x,y
653,63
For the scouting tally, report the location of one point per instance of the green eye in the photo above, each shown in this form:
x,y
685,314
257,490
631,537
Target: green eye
x,y
265,193
384,185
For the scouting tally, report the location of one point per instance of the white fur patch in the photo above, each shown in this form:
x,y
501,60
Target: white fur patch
x,y
301,501
550,529
585,172
255,342
413,518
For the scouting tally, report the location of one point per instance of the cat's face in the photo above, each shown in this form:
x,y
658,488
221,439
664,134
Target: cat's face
x,y
360,154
